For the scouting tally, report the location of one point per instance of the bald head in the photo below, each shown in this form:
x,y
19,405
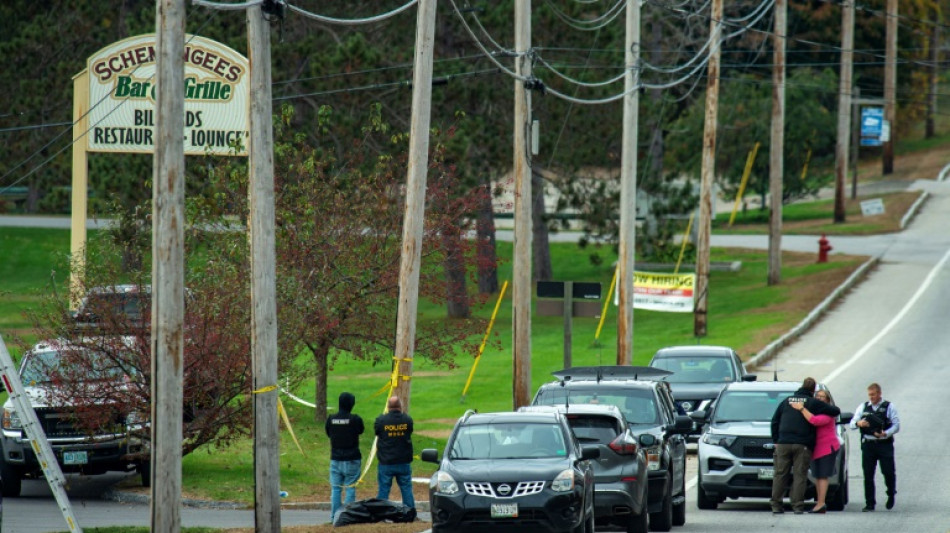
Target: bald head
x,y
394,403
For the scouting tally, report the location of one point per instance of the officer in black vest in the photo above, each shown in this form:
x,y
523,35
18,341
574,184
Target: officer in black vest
x,y
344,429
877,421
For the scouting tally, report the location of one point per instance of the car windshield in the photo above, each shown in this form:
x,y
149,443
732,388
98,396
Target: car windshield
x,y
696,369
41,365
637,404
594,429
508,440
748,406
133,305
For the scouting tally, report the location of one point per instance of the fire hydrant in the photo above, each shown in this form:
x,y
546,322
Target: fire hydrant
x,y
823,249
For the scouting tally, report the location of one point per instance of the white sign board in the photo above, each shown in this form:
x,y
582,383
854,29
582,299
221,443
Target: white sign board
x,y
872,207
655,291
122,97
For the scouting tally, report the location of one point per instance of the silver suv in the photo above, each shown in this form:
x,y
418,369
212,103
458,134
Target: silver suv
x,y
736,449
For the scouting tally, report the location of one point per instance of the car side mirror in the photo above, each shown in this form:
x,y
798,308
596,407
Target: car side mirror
x,y
750,377
682,424
845,418
430,455
647,440
699,416
590,452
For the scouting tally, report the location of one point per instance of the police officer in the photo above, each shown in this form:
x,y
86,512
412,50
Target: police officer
x,y
877,421
794,438
344,429
394,449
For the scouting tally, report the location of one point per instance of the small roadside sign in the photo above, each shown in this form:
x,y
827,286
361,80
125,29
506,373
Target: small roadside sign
x,y
872,207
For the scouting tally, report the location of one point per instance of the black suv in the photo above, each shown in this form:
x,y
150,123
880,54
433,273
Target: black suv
x,y
512,471
699,373
648,406
620,473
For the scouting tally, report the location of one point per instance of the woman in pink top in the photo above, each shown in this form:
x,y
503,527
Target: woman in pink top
x,y
824,457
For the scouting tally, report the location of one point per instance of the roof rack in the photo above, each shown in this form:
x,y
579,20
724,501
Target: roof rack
x,y
616,372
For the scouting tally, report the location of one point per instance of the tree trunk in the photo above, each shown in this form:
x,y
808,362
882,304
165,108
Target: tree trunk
x,y
540,248
456,298
487,252
320,357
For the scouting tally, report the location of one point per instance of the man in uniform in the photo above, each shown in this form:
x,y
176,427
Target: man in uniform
x,y
344,429
794,438
877,421
394,449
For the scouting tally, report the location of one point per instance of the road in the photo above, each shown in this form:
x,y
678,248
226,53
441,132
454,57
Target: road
x,y
891,329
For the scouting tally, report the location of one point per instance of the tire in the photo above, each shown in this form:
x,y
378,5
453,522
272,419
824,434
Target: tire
x,y
638,523
12,480
839,498
145,470
663,520
679,510
587,525
703,501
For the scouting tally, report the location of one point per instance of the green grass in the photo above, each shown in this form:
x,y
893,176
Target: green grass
x,y
741,306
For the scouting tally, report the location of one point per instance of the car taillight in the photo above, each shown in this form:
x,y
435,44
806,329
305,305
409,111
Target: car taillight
x,y
623,445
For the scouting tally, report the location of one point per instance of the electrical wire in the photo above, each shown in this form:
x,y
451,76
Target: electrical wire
x,y
593,24
352,22
223,6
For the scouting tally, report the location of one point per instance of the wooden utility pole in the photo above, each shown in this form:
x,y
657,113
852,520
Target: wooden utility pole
x,y
708,171
628,187
168,267
521,271
410,260
934,79
777,145
890,84
263,278
844,107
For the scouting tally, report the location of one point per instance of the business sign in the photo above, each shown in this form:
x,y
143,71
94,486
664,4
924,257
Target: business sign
x,y
872,126
654,291
122,97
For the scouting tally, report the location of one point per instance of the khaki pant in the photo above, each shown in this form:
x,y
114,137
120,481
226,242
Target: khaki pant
x,y
790,460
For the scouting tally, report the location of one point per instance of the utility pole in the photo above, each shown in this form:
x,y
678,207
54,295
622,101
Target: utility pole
x,y
777,145
855,127
890,84
263,278
844,107
708,171
628,187
410,260
521,271
168,267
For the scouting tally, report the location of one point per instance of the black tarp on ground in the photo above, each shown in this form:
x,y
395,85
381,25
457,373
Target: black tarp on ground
x,y
373,510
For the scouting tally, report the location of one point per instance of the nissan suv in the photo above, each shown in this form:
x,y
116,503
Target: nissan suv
x,y
515,472
647,404
736,449
620,473
110,446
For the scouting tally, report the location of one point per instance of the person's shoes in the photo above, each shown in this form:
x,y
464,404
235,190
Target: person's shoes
x,y
890,501
779,511
867,509
821,510
799,511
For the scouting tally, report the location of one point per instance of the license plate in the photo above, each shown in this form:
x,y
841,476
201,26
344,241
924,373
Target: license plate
x,y
75,458
504,510
766,473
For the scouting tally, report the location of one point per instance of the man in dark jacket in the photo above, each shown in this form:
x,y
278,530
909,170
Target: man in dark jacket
x,y
794,438
394,449
344,429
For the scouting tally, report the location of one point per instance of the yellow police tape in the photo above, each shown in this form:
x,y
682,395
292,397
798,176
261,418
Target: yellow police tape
x,y
283,415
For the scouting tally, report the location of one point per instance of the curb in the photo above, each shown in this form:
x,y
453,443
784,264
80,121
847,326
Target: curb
x,y
769,351
915,207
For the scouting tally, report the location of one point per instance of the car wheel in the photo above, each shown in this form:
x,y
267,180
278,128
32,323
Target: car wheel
x,y
702,500
145,470
663,520
586,525
11,480
839,498
679,510
637,523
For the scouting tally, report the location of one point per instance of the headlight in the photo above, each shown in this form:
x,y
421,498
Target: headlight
x,y
654,456
10,419
443,483
564,481
719,440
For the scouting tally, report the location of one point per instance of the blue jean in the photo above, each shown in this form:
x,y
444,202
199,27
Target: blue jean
x,y
343,474
403,475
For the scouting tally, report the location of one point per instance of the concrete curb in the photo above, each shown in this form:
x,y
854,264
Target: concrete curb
x,y
769,351
915,207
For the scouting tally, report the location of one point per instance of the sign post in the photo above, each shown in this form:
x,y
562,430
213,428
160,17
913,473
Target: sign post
x,y
561,296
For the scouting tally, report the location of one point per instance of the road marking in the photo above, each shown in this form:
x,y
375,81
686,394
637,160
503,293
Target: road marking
x,y
890,325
